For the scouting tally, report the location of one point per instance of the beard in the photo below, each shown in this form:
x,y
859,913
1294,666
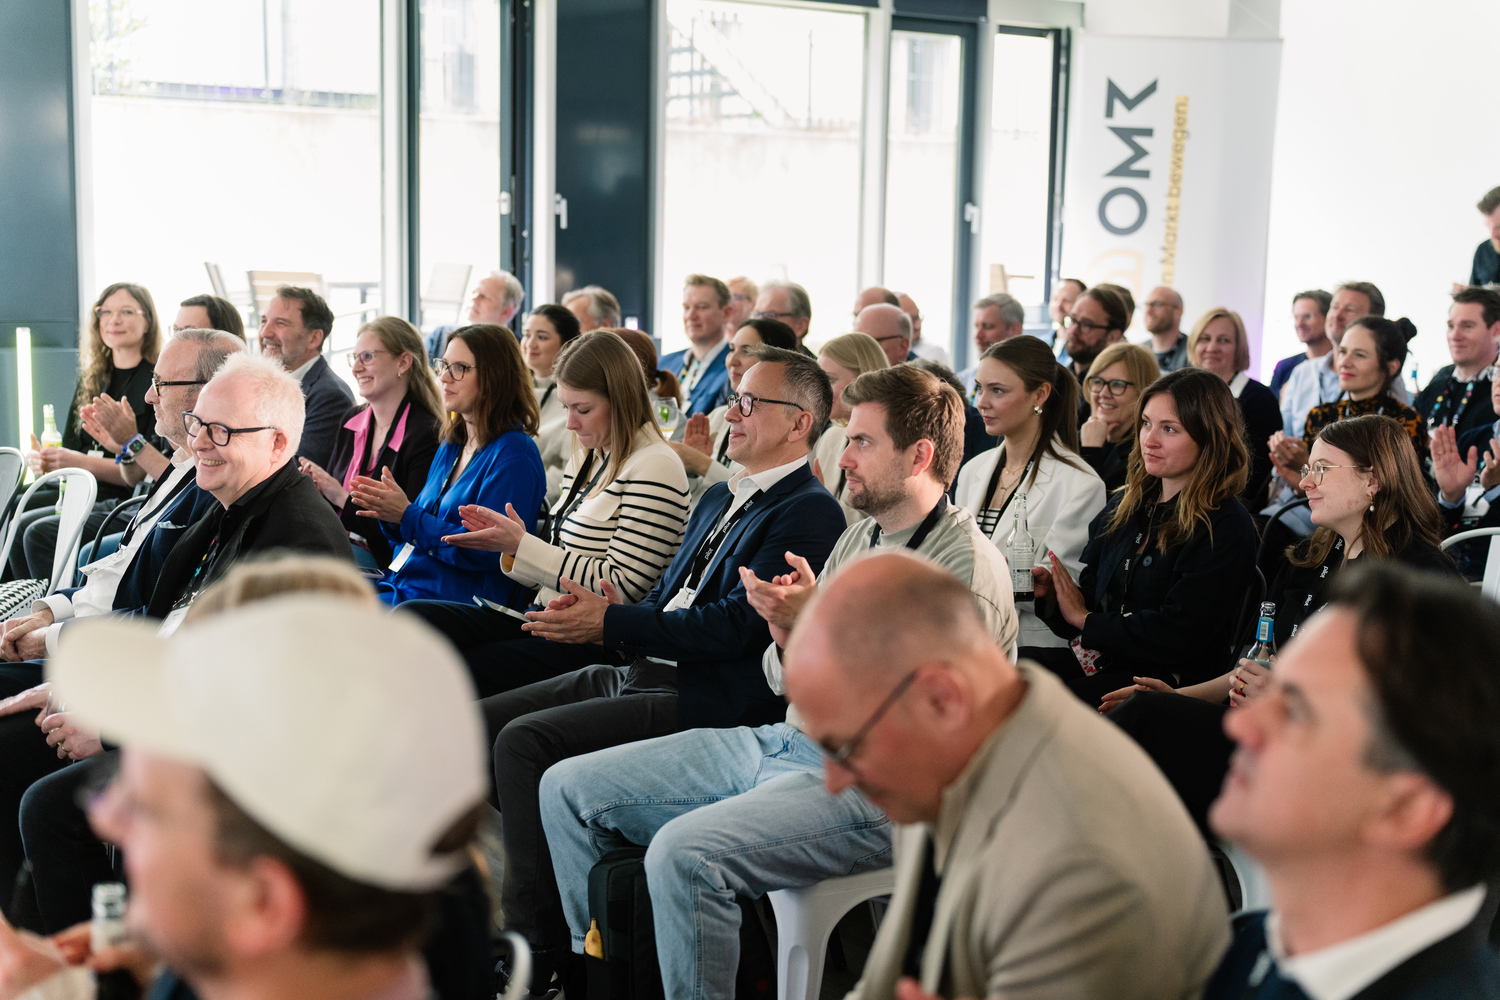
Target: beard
x,y
874,498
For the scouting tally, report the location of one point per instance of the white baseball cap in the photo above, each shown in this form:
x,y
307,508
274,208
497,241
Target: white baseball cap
x,y
351,733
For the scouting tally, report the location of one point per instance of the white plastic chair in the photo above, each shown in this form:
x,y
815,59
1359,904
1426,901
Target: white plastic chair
x,y
1491,586
805,919
78,501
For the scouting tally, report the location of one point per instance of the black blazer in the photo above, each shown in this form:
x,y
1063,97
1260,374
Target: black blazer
x,y
1111,461
286,511
326,399
1179,612
718,642
409,465
1262,413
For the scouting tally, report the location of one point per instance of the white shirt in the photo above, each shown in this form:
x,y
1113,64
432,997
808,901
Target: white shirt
x,y
302,370
1340,971
744,485
696,366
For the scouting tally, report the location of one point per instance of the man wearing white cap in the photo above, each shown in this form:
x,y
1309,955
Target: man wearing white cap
x,y
286,817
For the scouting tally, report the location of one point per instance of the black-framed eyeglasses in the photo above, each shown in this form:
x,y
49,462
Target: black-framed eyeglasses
x,y
1086,325
159,385
364,357
841,755
456,368
773,314
218,433
746,402
1113,386
1317,471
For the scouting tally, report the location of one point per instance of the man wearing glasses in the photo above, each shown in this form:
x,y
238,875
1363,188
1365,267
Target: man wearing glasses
x,y
744,809
891,329
789,303
1039,851
1164,323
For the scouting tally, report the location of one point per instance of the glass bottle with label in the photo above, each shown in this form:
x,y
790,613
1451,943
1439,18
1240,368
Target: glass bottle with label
x,y
51,438
1020,550
107,929
1265,635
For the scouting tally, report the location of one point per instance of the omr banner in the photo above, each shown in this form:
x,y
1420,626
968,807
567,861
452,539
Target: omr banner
x,y
1168,176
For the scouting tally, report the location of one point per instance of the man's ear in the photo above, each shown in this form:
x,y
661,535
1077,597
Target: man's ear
x,y
266,908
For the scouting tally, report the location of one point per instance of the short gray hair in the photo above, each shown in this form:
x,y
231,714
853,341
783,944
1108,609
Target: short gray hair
x,y
806,382
603,306
511,290
1011,311
278,396
798,302
214,346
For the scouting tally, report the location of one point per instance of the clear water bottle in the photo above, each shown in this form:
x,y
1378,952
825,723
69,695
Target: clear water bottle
x,y
106,930
51,438
1020,550
1265,635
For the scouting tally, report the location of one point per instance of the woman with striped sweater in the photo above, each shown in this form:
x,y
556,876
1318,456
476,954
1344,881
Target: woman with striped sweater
x,y
615,526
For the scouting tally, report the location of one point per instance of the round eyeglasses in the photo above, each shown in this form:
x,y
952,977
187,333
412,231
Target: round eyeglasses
x,y
456,368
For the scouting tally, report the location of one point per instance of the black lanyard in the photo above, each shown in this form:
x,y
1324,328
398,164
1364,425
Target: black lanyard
x,y
710,546
989,490
923,530
723,456
542,403
576,494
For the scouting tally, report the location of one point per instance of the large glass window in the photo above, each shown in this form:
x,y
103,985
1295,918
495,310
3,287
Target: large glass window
x,y
459,170
243,133
762,172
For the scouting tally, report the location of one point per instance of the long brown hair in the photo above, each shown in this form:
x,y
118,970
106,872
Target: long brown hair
x,y
400,337
1401,512
660,381
505,400
1211,417
602,362
98,359
1034,364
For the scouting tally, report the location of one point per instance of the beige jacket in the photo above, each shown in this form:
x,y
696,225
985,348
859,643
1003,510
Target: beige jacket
x,y
1069,870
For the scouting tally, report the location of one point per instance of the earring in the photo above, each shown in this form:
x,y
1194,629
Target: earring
x,y
1037,410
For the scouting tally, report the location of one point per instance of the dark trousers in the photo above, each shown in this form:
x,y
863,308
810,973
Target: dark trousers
x,y
18,677
66,858
24,757
499,655
540,724
1185,737
36,536
1061,661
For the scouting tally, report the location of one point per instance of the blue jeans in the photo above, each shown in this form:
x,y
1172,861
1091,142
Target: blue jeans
x,y
724,812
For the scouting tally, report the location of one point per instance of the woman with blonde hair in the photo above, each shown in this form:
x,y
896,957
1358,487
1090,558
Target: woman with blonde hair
x,y
1113,387
396,428
1218,344
844,359
613,530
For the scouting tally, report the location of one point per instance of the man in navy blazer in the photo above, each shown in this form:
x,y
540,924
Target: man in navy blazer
x,y
700,368
294,329
689,655
1364,783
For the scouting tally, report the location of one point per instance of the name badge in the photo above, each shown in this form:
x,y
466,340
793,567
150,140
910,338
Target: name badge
x,y
96,452
402,554
169,624
682,599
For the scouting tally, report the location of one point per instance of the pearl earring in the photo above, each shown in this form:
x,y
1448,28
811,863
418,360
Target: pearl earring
x,y
1037,410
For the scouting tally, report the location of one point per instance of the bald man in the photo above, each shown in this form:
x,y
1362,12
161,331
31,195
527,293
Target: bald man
x,y
930,349
1041,854
1164,323
874,295
891,329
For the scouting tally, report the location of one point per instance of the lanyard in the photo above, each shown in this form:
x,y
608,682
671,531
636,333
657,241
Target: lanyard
x,y
576,494
923,530
1446,396
989,490
1345,400
723,456
542,404
710,546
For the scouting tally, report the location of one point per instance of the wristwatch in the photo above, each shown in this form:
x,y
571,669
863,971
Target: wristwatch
x,y
130,449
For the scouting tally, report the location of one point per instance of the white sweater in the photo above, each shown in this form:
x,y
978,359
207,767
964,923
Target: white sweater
x,y
553,439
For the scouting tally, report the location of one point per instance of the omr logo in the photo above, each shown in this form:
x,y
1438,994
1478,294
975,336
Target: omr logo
x,y
1127,167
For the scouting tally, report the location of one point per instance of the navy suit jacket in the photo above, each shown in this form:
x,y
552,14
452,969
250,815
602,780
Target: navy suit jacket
x,y
719,640
327,400
711,388
1460,965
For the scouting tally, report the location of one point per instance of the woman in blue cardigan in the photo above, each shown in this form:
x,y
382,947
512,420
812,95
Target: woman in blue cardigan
x,y
487,457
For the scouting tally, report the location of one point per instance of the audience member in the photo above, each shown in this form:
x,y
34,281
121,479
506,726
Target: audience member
x,y
1008,881
844,359
1060,306
1459,394
1486,269
700,368
976,438
1164,323
742,295
890,328
929,349
997,317
720,807
1363,784
1169,559
1316,383
1471,460
789,303
496,300
315,857
1098,319
1116,379
396,429
293,331
549,328
124,338
1125,297
686,656
616,524
485,457
872,295
1310,320
704,448
660,383
209,312
1218,344
1030,402
594,307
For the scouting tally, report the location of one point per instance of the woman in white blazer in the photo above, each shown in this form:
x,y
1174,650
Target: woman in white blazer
x,y
844,359
548,330
1031,402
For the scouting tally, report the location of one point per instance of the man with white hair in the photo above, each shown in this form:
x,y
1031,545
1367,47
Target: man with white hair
x,y
997,317
596,308
496,299
891,329
287,821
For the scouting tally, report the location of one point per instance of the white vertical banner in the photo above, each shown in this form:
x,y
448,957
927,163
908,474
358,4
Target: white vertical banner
x,y
1169,171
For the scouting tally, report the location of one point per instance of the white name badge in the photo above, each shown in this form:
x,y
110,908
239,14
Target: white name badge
x,y
169,624
96,452
402,554
682,599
